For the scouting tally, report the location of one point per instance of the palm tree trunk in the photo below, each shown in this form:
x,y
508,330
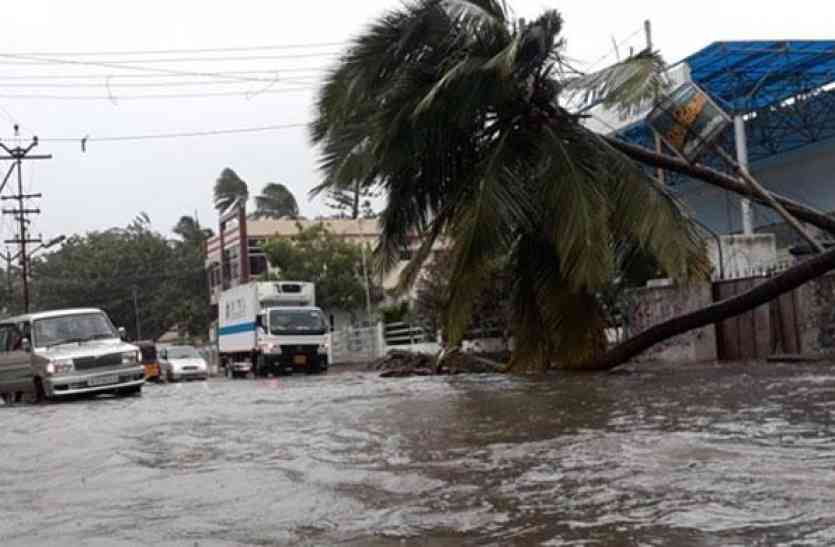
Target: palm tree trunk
x,y
763,293
721,180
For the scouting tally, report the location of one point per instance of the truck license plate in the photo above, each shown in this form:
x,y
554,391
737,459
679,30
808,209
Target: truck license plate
x,y
300,360
103,380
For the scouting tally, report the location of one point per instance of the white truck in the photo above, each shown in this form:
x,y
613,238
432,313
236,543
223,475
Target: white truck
x,y
272,327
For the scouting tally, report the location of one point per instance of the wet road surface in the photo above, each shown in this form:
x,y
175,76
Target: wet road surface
x,y
702,456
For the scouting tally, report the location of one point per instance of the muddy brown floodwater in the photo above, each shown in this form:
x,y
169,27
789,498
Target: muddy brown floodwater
x,y
702,455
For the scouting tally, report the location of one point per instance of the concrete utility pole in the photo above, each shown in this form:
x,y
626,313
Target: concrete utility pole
x,y
136,312
18,155
659,173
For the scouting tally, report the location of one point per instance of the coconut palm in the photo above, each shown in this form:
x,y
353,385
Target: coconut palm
x,y
190,230
229,189
276,201
459,109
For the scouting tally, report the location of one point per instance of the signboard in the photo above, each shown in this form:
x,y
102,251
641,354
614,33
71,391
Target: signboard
x,y
688,120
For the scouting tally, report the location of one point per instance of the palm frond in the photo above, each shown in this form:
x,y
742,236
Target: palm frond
x,y
478,13
628,87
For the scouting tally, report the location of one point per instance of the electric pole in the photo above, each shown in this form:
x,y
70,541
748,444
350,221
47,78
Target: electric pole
x,y
18,155
136,312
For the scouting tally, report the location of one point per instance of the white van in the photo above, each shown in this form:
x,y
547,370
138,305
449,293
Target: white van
x,y
55,354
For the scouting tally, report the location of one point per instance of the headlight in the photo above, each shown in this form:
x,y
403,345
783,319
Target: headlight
x,y
323,349
130,357
274,349
59,366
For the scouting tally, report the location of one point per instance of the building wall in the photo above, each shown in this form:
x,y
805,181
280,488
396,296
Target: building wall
x,y
742,256
652,305
806,175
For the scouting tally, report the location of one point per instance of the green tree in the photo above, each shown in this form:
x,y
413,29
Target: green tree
x,y
459,110
490,309
318,256
229,188
276,201
106,269
189,229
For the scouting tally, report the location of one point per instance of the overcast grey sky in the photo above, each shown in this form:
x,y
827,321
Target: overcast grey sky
x,y
113,181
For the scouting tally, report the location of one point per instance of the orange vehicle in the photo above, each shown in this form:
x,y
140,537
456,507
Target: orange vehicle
x,y
150,360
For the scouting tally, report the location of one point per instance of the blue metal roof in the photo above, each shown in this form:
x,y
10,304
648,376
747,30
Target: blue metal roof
x,y
743,76
758,77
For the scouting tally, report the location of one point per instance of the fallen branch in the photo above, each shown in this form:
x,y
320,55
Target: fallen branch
x,y
763,293
721,180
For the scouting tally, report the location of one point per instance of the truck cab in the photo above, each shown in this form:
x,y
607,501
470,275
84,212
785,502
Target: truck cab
x,y
293,339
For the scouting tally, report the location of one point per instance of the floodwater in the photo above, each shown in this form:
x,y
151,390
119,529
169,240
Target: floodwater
x,y
701,456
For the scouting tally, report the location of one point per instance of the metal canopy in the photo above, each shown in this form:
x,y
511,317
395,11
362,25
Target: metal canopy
x,y
781,87
744,76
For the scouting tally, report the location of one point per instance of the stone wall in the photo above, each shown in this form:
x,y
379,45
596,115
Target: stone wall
x,y
652,305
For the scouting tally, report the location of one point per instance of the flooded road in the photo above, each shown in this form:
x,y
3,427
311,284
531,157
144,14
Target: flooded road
x,y
702,456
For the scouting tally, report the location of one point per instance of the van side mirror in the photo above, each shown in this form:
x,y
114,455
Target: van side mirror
x,y
123,334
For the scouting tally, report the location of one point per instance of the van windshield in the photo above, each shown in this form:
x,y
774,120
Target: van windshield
x,y
66,329
297,322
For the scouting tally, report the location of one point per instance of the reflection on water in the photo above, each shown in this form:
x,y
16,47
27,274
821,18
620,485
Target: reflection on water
x,y
707,455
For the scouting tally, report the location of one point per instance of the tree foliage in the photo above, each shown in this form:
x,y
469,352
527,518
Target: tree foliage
x,y
490,310
276,201
354,202
317,255
103,269
455,109
229,188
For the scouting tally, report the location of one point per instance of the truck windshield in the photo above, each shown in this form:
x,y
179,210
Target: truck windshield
x,y
297,322
66,329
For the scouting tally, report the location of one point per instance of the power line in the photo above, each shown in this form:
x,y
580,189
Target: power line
x,y
154,136
100,85
178,51
113,97
135,68
31,60
152,74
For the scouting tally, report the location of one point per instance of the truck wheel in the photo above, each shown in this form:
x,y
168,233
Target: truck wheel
x,y
40,392
261,367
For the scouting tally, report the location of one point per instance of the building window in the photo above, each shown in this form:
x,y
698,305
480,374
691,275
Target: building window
x,y
257,265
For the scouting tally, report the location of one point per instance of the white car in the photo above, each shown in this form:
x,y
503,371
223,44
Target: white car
x,y
184,363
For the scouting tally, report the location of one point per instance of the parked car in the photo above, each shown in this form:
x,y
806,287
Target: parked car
x,y
60,353
184,363
150,360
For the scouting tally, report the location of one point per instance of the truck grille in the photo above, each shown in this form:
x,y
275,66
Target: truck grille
x,y
87,363
291,349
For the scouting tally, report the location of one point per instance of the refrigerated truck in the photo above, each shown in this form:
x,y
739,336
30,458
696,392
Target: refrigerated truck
x,y
272,327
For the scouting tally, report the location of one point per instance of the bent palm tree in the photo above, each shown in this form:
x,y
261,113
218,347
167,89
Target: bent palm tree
x,y
229,188
276,201
459,110
190,230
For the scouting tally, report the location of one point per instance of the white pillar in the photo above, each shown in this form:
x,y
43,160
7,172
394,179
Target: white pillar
x,y
742,157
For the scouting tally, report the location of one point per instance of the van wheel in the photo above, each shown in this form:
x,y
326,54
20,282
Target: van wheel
x,y
129,391
40,392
